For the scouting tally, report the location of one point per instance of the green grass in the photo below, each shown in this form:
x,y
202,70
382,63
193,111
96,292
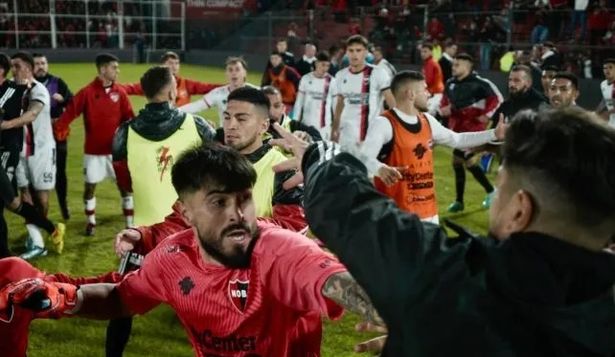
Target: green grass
x,y
159,333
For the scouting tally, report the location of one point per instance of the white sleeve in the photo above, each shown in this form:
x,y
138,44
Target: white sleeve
x,y
379,133
383,81
196,106
40,94
298,108
444,136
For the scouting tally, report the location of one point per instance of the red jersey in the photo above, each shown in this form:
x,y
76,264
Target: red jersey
x,y
271,309
104,109
433,76
14,331
185,89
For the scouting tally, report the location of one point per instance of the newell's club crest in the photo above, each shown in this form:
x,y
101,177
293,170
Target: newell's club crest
x,y
114,96
238,293
164,160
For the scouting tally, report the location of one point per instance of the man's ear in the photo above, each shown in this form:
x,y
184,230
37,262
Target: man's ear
x,y
186,214
524,209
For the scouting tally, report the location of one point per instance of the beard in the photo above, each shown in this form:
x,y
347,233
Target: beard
x,y
236,258
240,146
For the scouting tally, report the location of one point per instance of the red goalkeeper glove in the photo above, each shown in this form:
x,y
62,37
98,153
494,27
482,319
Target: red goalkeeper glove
x,y
47,299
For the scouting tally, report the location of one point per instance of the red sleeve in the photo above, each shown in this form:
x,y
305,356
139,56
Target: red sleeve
x,y
152,235
126,107
444,101
143,289
297,270
289,216
122,175
132,88
492,103
111,277
428,71
194,87
74,108
14,269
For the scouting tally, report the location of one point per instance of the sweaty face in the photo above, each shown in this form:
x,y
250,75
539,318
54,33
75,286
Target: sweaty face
x,y
276,107
517,83
21,70
110,71
421,95
562,93
461,68
425,53
356,54
41,67
225,223
173,64
244,126
275,60
546,78
609,72
322,67
236,74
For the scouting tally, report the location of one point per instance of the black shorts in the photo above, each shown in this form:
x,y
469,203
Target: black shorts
x,y
8,185
463,154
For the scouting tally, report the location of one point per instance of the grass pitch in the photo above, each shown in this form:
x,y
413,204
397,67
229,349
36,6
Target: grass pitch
x,y
159,333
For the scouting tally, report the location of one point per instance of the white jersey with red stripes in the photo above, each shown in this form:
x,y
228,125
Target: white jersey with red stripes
x,y
313,106
608,95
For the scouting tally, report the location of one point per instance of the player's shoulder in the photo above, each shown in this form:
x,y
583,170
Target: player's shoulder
x,y
276,241
177,243
15,269
604,84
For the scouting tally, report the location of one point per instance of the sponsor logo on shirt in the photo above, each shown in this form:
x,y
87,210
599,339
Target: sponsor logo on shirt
x,y
238,293
224,344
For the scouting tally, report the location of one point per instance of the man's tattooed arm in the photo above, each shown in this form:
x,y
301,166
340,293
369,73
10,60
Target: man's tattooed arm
x,y
344,290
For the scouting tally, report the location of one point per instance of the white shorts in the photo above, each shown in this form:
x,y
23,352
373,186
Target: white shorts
x,y
38,170
97,168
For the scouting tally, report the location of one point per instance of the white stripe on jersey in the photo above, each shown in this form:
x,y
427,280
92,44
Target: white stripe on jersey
x,y
608,94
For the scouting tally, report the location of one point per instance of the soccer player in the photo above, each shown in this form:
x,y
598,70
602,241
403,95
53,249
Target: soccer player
x,y
284,78
36,168
541,284
277,114
238,285
314,103
399,147
469,101
446,61
105,106
547,76
360,89
15,321
564,90
11,142
236,76
185,87
60,95
433,77
380,61
608,90
246,121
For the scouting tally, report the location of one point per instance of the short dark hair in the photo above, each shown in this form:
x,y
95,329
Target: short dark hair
x,y
212,164
281,39
551,68
609,60
169,54
465,57
569,76
427,45
323,56
402,78
357,39
548,44
565,151
449,43
251,95
236,59
276,53
522,68
270,90
24,56
104,59
155,79
38,54
5,63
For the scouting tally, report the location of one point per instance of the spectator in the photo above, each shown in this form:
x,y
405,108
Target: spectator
x,y
446,62
540,32
549,55
306,64
435,29
579,16
598,23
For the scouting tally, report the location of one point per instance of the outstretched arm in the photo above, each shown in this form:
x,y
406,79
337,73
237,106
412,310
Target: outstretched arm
x,y
346,292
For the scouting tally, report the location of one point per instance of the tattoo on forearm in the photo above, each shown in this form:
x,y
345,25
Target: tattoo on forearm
x,y
344,290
